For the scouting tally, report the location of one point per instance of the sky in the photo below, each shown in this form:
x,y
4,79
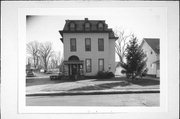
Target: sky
x,y
143,22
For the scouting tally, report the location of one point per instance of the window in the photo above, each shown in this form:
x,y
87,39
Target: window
x,y
87,26
151,52
101,64
88,65
87,44
101,44
73,44
72,26
100,26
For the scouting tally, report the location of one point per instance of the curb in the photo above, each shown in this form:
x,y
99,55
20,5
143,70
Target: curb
x,y
92,93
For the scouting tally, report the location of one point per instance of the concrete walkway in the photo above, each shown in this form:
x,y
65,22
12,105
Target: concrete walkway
x,y
87,87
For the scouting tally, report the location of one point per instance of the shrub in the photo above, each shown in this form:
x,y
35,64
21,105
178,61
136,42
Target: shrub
x,y
104,75
100,74
110,75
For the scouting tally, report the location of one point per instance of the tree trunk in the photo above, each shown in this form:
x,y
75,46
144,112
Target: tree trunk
x,y
34,62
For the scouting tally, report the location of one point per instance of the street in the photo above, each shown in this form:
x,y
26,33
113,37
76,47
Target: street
x,y
141,99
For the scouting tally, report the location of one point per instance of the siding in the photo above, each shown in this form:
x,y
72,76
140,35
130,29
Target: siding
x,y
151,58
108,54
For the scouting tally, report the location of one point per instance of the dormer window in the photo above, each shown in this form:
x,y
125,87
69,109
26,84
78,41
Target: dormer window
x,y
72,26
100,26
87,26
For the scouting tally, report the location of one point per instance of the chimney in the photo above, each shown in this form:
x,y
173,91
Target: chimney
x,y
86,19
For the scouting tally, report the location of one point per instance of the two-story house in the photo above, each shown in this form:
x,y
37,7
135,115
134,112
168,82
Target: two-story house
x,y
151,48
89,47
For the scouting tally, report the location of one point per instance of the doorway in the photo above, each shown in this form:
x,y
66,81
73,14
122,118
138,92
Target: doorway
x,y
74,71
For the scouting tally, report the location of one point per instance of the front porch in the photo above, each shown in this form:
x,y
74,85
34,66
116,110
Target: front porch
x,y
73,68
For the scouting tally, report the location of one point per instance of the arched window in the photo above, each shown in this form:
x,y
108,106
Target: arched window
x,y
100,26
72,26
87,26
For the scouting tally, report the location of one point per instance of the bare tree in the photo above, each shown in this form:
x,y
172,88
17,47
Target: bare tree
x,y
121,43
33,49
60,58
54,62
45,53
60,61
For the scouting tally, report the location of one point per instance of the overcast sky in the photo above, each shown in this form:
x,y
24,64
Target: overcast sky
x,y
143,22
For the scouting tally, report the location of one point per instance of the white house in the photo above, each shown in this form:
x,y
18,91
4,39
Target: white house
x,y
151,49
89,47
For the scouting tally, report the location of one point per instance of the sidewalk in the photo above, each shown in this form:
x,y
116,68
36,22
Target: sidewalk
x,y
90,87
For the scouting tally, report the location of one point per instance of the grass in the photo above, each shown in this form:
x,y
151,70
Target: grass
x,y
112,82
147,81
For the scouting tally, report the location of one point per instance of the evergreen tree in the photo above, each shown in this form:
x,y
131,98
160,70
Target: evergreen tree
x,y
135,60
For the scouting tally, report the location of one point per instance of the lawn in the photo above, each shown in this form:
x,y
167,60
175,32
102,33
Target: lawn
x,y
116,83
120,82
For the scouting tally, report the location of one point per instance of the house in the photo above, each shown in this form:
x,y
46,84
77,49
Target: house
x,y
89,47
151,48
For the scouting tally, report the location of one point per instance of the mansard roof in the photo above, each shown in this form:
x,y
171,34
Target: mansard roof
x,y
80,27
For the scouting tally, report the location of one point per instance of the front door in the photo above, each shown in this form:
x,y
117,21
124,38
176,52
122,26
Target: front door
x,y
74,71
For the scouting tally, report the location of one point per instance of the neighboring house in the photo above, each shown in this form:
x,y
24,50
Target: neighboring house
x,y
89,47
151,49
118,70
